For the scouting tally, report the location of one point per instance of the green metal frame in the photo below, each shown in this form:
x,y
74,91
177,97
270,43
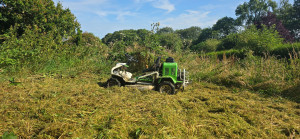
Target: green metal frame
x,y
169,71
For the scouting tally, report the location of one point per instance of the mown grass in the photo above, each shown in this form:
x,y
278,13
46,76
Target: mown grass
x,y
71,107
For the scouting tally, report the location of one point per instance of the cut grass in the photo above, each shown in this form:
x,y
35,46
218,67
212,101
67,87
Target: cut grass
x,y
58,107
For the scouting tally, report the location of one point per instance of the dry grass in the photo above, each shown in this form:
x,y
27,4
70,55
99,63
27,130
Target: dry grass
x,y
267,75
49,107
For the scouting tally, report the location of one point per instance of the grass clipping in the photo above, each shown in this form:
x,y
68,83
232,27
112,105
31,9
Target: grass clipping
x,y
78,107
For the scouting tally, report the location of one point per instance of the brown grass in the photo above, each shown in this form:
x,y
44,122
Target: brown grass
x,y
62,107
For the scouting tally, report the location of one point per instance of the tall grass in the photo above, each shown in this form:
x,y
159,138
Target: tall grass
x,y
267,75
60,98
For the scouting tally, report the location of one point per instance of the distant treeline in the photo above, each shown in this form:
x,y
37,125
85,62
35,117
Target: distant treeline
x,y
39,34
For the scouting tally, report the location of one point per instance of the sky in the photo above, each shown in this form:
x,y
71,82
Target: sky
x,y
107,16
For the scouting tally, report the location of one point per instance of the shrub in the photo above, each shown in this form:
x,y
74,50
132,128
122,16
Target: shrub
x,y
286,50
209,45
229,53
32,46
229,42
259,40
170,41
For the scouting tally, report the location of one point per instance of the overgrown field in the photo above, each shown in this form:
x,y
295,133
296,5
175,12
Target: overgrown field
x,y
64,107
230,98
245,76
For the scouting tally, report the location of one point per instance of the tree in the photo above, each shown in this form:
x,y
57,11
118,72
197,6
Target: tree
x,y
42,14
296,19
284,13
252,11
289,15
170,41
207,33
271,21
165,30
128,36
225,26
260,41
191,33
209,45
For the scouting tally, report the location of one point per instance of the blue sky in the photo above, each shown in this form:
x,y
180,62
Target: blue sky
x,y
106,16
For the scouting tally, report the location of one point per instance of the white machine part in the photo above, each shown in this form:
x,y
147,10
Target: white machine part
x,y
116,71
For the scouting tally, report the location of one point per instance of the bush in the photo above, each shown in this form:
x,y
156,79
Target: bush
x,y
170,41
209,45
229,42
260,41
286,50
32,46
45,52
229,53
128,36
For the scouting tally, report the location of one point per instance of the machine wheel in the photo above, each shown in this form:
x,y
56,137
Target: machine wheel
x,y
167,87
113,82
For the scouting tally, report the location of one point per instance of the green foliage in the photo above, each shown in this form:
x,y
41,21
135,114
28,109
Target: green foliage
x,y
289,15
259,40
284,13
286,50
228,42
8,135
165,30
152,46
40,13
229,53
225,26
252,11
127,36
209,45
296,19
190,33
34,52
27,48
89,39
171,41
207,33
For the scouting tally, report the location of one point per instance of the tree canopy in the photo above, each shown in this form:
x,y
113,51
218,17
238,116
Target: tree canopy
x,y
42,14
225,26
190,33
252,11
165,30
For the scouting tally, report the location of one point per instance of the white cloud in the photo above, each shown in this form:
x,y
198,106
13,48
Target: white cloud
x,y
101,13
210,7
160,4
190,18
119,14
164,4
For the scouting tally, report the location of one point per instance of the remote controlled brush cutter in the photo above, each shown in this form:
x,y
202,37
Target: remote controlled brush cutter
x,y
164,77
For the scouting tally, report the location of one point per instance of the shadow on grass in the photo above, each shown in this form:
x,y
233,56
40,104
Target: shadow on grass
x,y
102,84
265,89
292,93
